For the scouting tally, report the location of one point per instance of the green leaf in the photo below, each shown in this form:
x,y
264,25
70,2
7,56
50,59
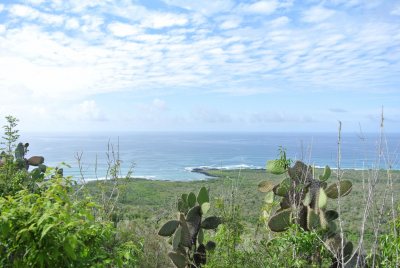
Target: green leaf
x,y
203,197
168,228
46,229
275,167
69,246
191,199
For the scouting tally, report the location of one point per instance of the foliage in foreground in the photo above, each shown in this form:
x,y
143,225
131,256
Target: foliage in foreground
x,y
49,228
43,223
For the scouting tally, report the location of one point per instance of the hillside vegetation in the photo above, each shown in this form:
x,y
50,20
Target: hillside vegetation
x,y
288,215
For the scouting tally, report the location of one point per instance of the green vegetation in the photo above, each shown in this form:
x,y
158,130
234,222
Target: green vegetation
x,y
48,220
43,223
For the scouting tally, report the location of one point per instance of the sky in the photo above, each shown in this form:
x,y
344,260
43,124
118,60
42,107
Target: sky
x,y
209,65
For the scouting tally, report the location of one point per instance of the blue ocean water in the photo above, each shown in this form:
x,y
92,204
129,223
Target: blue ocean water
x,y
171,156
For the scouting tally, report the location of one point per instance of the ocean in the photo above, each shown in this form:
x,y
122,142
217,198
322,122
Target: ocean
x,y
172,156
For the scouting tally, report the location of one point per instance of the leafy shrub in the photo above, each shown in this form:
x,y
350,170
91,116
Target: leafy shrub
x,y
388,253
45,223
51,229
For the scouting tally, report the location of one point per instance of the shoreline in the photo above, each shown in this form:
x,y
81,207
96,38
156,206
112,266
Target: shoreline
x,y
212,173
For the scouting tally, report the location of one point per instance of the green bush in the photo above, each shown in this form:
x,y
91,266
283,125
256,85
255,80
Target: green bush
x,y
388,253
45,223
51,229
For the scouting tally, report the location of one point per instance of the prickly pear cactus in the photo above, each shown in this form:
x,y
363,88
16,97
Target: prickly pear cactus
x,y
304,200
187,231
23,163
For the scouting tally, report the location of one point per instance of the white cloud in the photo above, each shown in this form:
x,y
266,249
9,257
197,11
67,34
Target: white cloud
x,y
53,65
261,7
33,14
84,111
230,23
205,7
1,8
72,24
23,11
317,14
279,22
35,2
162,20
2,28
123,29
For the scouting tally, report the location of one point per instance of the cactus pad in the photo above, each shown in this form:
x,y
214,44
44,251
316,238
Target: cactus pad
x,y
177,238
343,187
313,221
211,222
200,236
301,172
191,199
282,188
203,197
326,175
265,186
36,160
186,239
178,259
168,228
331,215
205,207
210,245
20,151
200,256
275,167
322,198
269,198
280,221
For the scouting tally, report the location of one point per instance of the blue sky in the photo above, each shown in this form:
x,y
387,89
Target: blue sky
x,y
210,65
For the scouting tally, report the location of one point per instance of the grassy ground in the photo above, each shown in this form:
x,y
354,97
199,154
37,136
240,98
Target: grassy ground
x,y
155,201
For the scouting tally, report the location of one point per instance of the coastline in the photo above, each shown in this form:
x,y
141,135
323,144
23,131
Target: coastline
x,y
219,172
